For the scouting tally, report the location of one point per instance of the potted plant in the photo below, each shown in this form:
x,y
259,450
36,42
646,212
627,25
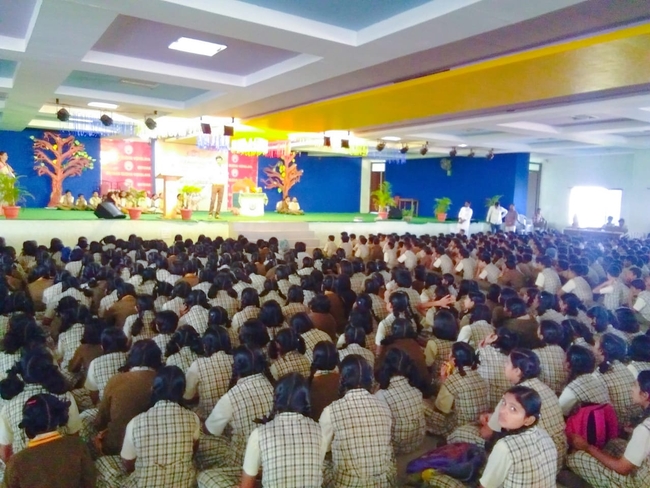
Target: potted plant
x,y
383,198
136,199
11,194
190,194
491,201
407,215
441,208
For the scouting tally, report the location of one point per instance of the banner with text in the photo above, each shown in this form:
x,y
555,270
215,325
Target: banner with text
x,y
240,167
125,165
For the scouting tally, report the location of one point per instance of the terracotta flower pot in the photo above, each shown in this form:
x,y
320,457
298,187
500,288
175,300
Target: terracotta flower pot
x,y
186,213
135,213
382,215
11,211
441,217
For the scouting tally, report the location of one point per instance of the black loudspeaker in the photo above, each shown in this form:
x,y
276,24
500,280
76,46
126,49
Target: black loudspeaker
x,y
108,210
228,130
394,213
206,129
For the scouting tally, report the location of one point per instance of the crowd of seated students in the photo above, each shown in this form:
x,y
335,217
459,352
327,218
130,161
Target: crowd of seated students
x,y
220,362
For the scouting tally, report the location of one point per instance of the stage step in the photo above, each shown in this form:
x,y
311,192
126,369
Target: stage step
x,y
291,231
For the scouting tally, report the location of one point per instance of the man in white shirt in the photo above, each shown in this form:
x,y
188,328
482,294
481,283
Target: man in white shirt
x,y
408,258
464,217
219,179
495,217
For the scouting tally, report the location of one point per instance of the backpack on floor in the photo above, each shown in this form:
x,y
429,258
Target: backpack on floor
x,y
462,461
595,423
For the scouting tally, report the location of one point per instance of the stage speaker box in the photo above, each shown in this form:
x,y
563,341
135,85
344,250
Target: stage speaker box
x,y
394,213
108,210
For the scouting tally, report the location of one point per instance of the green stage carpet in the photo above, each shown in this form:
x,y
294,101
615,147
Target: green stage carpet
x,y
44,214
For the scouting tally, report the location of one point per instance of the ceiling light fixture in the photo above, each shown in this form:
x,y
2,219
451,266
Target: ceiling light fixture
x,y
106,120
490,155
471,153
462,145
453,152
381,146
195,46
405,149
145,84
424,149
391,138
108,106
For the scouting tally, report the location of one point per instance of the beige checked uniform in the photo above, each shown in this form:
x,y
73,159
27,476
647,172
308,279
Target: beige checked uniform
x,y
478,331
292,309
524,460
291,362
197,317
469,394
147,331
586,388
493,369
407,411
272,295
552,315
379,307
436,353
359,351
183,359
358,426
175,305
550,282
414,298
283,286
103,369
250,312
582,290
618,297
311,338
637,366
7,361
210,378
619,381
69,341
637,451
551,360
228,303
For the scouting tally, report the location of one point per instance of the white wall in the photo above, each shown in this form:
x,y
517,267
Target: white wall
x,y
628,172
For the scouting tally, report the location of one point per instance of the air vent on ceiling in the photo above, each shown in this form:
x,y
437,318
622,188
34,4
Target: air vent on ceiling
x,y
144,84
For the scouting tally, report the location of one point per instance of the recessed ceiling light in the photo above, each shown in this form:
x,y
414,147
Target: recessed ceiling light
x,y
195,46
391,138
110,106
462,145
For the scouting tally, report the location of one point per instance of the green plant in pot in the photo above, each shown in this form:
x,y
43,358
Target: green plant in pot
x,y
190,193
492,200
383,198
11,194
441,208
407,215
136,199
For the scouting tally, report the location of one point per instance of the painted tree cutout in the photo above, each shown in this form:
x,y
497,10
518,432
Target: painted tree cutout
x,y
283,175
59,158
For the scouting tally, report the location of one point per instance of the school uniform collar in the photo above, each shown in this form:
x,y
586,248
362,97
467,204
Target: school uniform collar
x,y
252,377
140,368
41,439
324,372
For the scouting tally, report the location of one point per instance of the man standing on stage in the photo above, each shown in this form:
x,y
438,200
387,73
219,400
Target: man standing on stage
x,y
219,179
464,217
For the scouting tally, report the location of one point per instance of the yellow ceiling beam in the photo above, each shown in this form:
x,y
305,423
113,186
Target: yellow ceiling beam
x,y
607,61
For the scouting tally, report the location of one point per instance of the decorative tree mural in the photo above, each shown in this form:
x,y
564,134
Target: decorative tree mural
x,y
60,158
283,175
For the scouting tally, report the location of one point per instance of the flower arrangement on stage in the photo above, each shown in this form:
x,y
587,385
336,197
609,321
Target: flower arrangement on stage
x,y
283,175
59,158
249,147
245,185
445,164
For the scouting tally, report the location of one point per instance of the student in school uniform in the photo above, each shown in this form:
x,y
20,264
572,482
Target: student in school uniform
x,y
249,309
551,356
195,311
399,308
222,294
159,443
303,326
479,326
324,378
50,460
525,455
319,313
618,464
127,394
611,351
639,355
250,397
286,434
577,284
90,349
355,343
547,278
165,324
183,348
34,374
287,351
208,377
444,334
295,302
400,387
463,392
141,325
493,353
357,429
584,386
330,247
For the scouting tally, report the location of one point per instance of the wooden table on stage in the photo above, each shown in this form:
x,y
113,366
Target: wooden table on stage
x,y
170,192
409,204
593,234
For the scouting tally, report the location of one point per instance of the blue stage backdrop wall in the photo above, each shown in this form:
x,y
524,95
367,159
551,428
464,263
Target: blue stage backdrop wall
x,y
328,184
19,146
473,179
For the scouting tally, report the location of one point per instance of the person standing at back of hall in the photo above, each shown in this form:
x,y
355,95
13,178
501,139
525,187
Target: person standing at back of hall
x,y
219,178
464,217
511,219
495,217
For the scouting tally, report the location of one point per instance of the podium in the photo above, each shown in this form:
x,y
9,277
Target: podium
x,y
170,192
252,204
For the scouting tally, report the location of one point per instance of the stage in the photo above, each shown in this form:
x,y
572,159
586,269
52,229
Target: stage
x,y
313,229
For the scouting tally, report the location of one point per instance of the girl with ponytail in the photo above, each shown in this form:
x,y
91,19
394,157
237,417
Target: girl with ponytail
x,y
141,326
285,436
49,454
288,352
618,464
399,308
34,374
324,377
183,348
